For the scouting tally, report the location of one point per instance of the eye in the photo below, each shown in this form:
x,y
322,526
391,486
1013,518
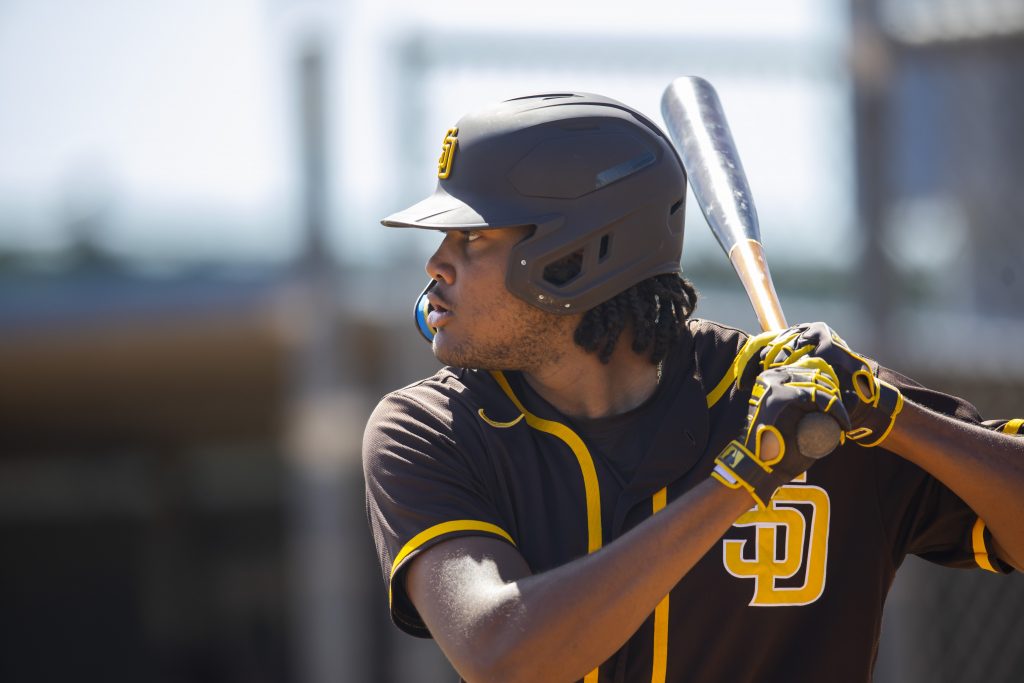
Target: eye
x,y
470,235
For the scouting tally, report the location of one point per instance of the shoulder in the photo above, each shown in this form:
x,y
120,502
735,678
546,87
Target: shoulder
x,y
433,415
710,336
434,399
716,348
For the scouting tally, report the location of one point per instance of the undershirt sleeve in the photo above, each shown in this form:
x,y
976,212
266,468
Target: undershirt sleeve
x,y
422,486
924,516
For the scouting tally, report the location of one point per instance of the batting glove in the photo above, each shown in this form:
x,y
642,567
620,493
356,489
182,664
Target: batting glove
x,y
781,397
872,403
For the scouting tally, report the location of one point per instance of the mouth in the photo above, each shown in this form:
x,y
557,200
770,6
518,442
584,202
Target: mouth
x,y
440,311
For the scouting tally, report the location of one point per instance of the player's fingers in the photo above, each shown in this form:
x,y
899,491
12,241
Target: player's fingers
x,y
769,446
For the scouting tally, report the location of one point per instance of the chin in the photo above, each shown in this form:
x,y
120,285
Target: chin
x,y
459,353
446,350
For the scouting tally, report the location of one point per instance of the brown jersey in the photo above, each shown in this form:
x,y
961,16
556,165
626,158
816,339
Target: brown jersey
x,y
800,584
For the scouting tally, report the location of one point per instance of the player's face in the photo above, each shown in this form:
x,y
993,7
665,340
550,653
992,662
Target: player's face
x,y
479,323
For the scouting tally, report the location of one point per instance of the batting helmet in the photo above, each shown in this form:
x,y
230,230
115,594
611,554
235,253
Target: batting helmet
x,y
600,182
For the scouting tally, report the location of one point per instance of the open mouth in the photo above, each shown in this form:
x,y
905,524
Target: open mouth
x,y
439,313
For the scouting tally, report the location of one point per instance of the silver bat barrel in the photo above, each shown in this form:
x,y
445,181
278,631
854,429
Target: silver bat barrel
x,y
696,122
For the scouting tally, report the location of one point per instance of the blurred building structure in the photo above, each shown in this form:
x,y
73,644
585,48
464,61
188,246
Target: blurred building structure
x,y
154,429
940,146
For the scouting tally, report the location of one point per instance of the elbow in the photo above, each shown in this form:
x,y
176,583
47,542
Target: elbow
x,y
502,674
507,652
499,663
1003,552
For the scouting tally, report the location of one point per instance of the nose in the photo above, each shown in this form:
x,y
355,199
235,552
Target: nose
x,y
439,266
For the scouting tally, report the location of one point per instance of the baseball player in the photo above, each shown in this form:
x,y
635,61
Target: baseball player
x,y
599,487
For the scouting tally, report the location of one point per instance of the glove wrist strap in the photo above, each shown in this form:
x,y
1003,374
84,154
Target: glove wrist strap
x,y
738,467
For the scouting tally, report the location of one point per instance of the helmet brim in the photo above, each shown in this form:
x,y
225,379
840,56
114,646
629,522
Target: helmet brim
x,y
439,211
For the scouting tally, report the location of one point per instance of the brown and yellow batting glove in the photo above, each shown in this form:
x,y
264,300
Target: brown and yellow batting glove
x,y
872,403
781,397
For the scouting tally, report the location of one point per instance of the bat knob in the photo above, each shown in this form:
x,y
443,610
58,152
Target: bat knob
x,y
817,435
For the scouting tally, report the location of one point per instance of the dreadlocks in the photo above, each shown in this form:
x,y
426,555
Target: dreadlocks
x,y
656,309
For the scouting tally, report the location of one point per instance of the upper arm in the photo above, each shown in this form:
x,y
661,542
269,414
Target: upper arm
x,y
923,492
464,590
956,481
423,490
1013,427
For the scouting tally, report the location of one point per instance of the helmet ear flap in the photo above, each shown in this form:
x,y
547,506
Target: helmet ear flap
x,y
556,281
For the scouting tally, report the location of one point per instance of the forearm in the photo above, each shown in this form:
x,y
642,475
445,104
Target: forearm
x,y
984,468
609,594
560,624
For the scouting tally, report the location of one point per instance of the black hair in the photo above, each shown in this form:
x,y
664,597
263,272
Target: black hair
x,y
656,309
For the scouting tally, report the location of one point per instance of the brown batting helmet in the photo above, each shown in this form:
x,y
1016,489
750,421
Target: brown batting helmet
x,y
599,181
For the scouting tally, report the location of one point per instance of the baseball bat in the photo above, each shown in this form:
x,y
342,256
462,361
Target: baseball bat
x,y
696,123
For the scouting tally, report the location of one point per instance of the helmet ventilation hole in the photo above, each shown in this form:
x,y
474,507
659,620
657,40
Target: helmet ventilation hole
x,y
565,269
602,253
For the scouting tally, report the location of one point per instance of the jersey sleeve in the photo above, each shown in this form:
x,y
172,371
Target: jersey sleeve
x,y
924,516
423,485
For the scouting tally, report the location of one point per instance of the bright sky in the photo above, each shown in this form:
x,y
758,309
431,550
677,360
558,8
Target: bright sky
x,y
174,118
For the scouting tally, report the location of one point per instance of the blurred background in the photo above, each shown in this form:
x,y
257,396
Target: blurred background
x,y
198,308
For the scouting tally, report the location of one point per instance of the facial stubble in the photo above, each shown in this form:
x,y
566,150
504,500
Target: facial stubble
x,y
529,339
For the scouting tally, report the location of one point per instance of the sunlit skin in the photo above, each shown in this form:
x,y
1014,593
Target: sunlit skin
x,y
480,324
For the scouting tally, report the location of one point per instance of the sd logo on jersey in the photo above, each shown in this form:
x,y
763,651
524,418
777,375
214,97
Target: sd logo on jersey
x,y
444,164
788,554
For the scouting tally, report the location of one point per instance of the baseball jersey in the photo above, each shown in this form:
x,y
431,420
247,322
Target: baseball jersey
x,y
800,584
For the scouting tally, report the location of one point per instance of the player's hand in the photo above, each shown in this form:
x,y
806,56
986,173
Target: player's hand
x,y
781,397
872,403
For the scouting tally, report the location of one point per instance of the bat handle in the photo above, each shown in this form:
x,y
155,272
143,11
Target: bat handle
x,y
751,266
817,434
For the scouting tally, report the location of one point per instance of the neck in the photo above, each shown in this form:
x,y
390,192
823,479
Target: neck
x,y
580,385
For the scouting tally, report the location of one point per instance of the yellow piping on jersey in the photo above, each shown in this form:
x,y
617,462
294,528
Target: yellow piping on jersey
x,y
747,351
591,488
659,664
579,449
980,551
1013,426
439,530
